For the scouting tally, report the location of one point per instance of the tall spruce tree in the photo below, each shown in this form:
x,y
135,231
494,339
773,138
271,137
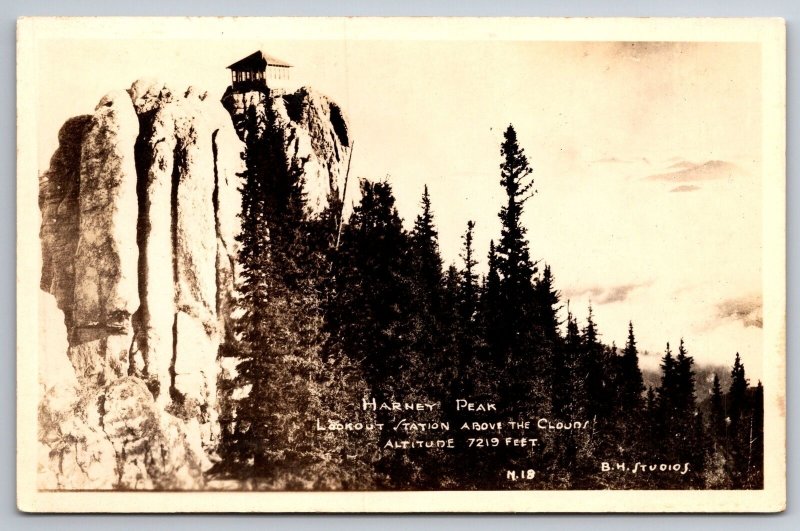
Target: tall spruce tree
x,y
684,374
547,299
430,334
281,370
599,373
737,393
426,257
468,299
631,382
739,428
568,384
373,317
370,311
691,444
546,325
717,417
755,450
451,365
667,392
469,335
519,343
514,263
491,310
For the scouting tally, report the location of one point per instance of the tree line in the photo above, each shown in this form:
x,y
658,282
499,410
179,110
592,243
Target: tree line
x,y
326,322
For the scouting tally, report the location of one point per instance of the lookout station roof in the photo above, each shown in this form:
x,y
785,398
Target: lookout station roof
x,y
258,61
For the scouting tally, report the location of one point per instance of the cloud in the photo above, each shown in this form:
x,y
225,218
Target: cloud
x,y
617,293
682,165
748,310
605,295
685,188
687,172
617,160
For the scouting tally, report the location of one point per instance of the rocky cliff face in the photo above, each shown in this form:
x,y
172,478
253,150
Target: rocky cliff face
x,y
312,130
139,222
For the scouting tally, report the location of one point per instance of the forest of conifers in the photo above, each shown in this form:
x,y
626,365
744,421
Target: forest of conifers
x,y
331,316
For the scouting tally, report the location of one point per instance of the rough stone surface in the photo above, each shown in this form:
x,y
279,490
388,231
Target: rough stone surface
x,y
314,134
153,449
106,257
58,202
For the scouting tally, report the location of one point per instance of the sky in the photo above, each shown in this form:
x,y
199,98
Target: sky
x,y
646,156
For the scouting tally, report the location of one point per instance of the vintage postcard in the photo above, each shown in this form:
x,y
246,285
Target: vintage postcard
x,y
401,265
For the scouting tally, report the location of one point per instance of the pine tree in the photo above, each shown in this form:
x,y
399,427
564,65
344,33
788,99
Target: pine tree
x,y
755,461
717,419
514,264
629,424
568,382
468,333
599,373
516,268
491,310
425,252
667,392
451,366
468,299
373,318
280,338
650,401
737,392
370,314
684,375
547,299
631,382
739,445
691,445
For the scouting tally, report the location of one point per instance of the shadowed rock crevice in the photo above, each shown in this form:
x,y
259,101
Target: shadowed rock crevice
x,y
339,124
143,155
175,395
59,189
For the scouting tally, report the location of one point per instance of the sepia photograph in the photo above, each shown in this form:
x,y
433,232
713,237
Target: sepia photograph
x,y
401,265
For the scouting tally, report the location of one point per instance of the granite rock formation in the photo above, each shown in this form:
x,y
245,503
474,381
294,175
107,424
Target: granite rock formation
x,y
139,222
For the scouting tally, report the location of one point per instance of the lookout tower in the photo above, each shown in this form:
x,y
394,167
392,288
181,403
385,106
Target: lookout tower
x,y
259,70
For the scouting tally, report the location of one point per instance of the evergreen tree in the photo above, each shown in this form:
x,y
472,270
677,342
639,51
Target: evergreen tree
x,y
684,376
426,258
631,382
469,335
755,454
546,325
431,336
547,299
452,363
280,336
491,310
739,437
468,300
667,392
691,444
599,373
737,393
517,343
650,401
370,314
717,418
568,382
514,264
